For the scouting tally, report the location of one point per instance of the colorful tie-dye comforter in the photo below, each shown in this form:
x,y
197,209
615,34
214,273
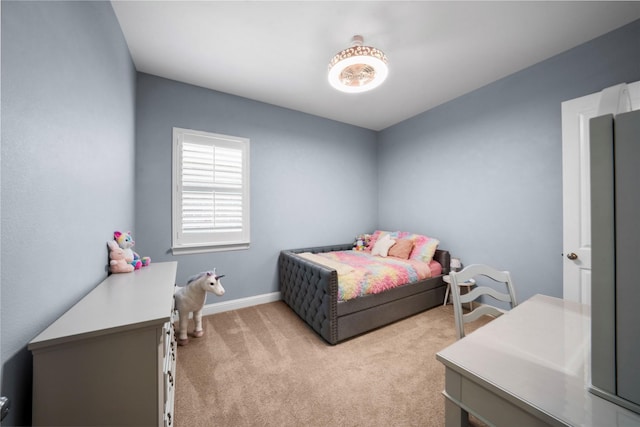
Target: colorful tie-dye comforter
x,y
362,273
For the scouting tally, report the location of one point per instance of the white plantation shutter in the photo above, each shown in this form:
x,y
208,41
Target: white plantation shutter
x,y
211,203
211,188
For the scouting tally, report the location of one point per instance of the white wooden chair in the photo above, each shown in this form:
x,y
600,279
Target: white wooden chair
x,y
472,272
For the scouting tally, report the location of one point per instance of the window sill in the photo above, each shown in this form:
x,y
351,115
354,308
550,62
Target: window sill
x,y
186,250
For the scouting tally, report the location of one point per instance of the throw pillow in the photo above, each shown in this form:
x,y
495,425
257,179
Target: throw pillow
x,y
382,246
402,249
424,248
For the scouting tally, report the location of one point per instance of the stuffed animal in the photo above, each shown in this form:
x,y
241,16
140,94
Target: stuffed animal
x,y
362,241
125,241
190,298
117,259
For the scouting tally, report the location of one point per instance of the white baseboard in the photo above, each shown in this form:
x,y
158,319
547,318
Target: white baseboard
x,y
235,304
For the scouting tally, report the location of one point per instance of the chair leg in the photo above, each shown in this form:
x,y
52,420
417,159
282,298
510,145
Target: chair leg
x,y
446,294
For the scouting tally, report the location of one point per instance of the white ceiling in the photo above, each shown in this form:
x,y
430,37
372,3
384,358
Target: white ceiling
x,y
277,52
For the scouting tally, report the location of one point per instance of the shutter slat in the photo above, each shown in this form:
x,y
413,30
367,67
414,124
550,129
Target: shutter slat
x,y
211,211
211,186
211,166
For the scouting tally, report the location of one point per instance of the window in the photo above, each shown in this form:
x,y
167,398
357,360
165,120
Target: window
x,y
210,192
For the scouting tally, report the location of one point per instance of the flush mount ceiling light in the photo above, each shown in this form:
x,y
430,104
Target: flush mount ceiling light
x,y
358,68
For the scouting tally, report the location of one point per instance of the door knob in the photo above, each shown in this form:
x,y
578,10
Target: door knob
x,y
572,256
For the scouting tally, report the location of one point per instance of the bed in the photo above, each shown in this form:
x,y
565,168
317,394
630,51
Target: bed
x,y
310,287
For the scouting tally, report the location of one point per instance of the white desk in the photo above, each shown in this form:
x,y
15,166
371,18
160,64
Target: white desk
x,y
529,367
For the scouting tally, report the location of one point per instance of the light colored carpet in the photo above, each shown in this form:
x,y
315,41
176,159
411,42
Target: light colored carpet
x,y
263,366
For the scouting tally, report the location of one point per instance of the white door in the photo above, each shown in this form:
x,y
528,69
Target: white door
x,y
576,192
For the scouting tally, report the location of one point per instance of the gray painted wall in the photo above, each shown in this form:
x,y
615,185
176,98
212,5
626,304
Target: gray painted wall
x,y
68,176
68,95
313,181
499,149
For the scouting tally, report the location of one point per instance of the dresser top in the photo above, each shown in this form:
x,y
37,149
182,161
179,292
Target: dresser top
x,y
121,302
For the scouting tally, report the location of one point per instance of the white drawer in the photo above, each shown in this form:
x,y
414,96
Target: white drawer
x,y
169,347
167,337
169,397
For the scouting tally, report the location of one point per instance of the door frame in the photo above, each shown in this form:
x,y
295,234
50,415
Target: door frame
x,y
576,224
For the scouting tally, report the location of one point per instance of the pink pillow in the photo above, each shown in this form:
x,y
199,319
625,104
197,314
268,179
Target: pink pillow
x,y
424,248
402,249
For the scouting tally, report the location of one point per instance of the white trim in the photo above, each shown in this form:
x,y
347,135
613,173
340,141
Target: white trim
x,y
209,248
221,307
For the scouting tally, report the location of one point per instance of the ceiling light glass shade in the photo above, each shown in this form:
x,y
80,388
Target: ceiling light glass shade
x,y
358,68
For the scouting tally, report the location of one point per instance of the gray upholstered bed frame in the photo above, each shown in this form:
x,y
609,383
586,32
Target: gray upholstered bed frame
x,y
311,290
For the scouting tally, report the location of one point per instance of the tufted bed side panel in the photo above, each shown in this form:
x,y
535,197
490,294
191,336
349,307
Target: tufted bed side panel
x,y
311,290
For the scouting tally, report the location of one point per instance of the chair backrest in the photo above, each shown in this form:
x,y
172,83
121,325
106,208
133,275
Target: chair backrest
x,y
472,272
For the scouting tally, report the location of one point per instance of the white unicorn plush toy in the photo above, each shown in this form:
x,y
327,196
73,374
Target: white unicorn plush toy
x,y
190,298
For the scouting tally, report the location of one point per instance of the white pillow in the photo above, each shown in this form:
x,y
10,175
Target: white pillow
x,y
383,245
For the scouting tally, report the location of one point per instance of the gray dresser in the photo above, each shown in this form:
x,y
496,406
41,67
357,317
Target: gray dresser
x,y
110,359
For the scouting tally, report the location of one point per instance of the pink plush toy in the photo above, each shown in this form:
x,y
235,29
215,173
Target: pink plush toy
x,y
125,241
117,260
